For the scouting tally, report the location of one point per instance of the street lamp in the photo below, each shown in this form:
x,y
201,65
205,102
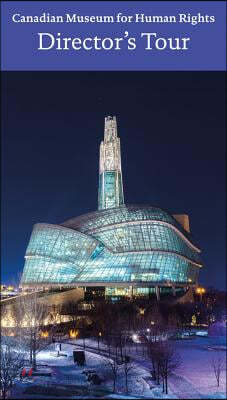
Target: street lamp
x,y
200,291
135,337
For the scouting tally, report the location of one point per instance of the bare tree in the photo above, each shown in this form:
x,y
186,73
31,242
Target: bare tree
x,y
217,364
173,322
113,367
57,330
11,363
168,360
108,339
156,332
82,325
127,367
151,353
4,314
29,316
119,342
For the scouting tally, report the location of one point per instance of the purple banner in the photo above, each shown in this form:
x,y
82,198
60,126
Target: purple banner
x,y
116,36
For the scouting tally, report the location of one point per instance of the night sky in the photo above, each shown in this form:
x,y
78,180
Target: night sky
x,y
172,131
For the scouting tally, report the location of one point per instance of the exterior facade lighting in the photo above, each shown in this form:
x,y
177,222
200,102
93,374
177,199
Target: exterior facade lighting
x,y
73,333
44,334
124,248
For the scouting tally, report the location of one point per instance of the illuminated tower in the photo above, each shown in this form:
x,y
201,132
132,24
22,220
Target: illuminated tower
x,y
110,175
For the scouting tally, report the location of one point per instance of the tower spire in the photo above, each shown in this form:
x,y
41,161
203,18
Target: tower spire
x,y
110,175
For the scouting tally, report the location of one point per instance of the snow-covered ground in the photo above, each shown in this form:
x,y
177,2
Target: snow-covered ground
x,y
196,368
67,379
194,379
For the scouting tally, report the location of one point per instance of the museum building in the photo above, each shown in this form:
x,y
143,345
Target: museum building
x,y
120,249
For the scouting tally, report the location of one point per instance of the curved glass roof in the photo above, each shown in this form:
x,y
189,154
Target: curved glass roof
x,y
130,244
86,223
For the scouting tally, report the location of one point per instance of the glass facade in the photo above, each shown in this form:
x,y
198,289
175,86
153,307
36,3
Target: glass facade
x,y
52,252
110,190
118,246
145,246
